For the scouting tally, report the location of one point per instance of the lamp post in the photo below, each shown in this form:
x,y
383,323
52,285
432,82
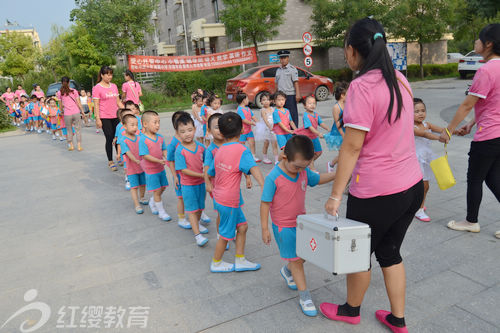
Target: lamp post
x,y
185,30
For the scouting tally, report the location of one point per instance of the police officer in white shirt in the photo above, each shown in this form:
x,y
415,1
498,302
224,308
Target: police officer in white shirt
x,y
287,81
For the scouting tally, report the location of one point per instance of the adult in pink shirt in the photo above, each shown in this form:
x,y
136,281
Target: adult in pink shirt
x,y
131,90
106,103
38,92
20,91
484,154
72,110
8,96
378,155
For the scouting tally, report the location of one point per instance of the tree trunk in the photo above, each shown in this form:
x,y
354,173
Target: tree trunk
x,y
421,60
256,49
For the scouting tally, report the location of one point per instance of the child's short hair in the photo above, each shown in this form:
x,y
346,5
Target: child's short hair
x,y
130,103
127,117
240,97
213,97
265,94
215,116
176,116
47,101
120,112
16,98
147,115
22,103
340,89
196,97
230,125
299,144
279,93
304,100
183,119
33,97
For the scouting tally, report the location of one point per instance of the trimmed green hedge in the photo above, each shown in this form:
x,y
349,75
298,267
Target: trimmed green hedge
x,y
343,74
5,121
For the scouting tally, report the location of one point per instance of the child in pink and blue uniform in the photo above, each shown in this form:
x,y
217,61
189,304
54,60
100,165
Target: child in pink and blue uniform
x,y
189,157
153,150
249,120
284,197
232,159
282,120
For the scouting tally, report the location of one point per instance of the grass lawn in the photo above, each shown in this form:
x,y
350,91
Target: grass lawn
x,y
8,129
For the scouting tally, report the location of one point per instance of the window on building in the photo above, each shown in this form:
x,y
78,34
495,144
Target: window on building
x,y
192,4
166,7
215,4
270,72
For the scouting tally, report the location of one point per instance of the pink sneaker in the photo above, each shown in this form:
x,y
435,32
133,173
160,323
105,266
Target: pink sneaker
x,y
329,310
382,314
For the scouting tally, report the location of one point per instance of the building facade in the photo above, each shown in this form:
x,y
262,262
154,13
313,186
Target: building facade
x,y
30,32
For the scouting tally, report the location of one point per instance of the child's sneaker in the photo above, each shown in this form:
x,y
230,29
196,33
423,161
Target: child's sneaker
x,y
256,159
184,224
422,216
163,215
127,185
152,205
39,131
267,161
288,279
139,210
61,138
120,162
203,230
381,315
242,265
143,201
329,167
221,267
308,308
53,137
205,218
200,240
97,131
47,131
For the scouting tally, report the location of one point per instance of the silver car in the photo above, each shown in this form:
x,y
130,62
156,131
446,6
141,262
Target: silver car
x,y
469,64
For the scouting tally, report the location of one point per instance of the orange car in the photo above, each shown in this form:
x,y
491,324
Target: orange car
x,y
257,80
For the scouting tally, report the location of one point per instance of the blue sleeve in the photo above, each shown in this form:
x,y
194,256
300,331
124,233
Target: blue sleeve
x,y
307,121
180,160
123,146
143,148
246,162
276,117
290,117
312,177
269,188
117,130
208,160
163,144
171,151
251,112
320,121
204,152
202,111
240,113
211,169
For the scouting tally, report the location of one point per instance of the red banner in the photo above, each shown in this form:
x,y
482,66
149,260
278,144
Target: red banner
x,y
138,63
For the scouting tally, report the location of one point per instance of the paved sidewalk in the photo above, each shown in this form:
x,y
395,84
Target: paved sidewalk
x,y
68,229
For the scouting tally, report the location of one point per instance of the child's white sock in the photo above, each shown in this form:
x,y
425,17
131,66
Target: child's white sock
x,y
159,206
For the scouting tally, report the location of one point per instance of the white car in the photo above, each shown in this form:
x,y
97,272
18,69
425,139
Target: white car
x,y
469,64
454,57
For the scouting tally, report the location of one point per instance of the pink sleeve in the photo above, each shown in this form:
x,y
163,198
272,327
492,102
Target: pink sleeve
x,y
481,84
124,87
76,96
96,92
58,94
358,111
115,89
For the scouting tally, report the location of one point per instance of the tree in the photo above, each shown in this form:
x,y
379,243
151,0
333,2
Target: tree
x,y
421,21
258,20
332,19
18,53
119,25
484,8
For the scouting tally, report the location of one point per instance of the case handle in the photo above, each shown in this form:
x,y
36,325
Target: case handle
x,y
327,216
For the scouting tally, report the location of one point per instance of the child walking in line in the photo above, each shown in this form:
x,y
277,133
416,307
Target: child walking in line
x,y
53,114
264,129
195,112
338,130
136,111
215,104
311,122
423,136
283,124
231,160
284,197
153,150
130,151
249,120
189,157
203,113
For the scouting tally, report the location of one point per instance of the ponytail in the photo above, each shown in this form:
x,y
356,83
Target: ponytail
x,y
129,73
367,36
104,70
65,89
491,33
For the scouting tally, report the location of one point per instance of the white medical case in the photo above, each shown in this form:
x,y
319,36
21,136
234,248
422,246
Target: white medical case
x,y
336,244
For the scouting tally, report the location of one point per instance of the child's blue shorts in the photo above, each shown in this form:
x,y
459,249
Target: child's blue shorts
x,y
178,190
245,137
286,240
317,145
137,179
230,219
156,181
53,126
26,121
64,131
194,197
282,139
12,114
30,119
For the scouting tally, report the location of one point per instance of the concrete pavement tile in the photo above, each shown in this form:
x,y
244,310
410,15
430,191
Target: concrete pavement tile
x,y
484,305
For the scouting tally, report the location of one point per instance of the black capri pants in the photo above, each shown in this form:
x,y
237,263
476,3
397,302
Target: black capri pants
x,y
389,217
109,128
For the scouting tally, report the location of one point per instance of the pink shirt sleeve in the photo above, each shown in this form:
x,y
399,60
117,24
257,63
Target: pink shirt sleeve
x,y
96,92
359,112
124,88
482,84
58,95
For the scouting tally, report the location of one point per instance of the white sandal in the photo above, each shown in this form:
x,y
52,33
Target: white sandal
x,y
497,234
467,226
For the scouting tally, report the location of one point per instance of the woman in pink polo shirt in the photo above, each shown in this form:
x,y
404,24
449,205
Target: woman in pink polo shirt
x,y
484,154
378,154
72,110
131,90
106,104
